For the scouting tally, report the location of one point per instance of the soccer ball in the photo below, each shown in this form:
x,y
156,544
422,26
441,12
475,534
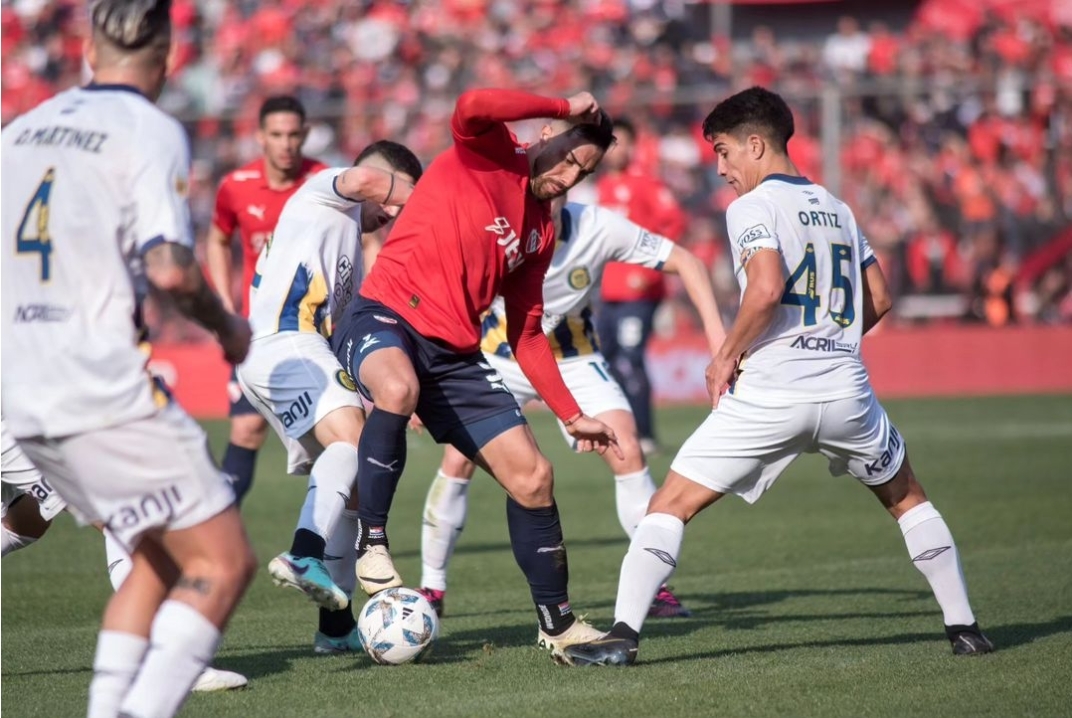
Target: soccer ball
x,y
398,626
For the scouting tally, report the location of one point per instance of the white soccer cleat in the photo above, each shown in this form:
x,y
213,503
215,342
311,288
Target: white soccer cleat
x,y
376,571
214,679
580,632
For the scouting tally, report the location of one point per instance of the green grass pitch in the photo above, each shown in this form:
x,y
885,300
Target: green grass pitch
x,y
805,604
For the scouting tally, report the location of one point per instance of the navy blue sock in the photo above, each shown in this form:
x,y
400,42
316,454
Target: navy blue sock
x,y
382,456
239,462
337,624
307,544
536,537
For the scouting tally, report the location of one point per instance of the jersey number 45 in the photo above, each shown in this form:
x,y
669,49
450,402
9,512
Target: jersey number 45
x,y
809,300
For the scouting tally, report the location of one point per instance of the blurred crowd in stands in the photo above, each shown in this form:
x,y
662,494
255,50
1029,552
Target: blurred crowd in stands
x,y
953,144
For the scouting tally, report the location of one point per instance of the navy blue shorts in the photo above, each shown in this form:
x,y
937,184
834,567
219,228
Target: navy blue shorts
x,y
463,400
240,405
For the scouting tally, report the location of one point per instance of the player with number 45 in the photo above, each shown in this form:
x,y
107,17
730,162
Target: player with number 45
x,y
788,379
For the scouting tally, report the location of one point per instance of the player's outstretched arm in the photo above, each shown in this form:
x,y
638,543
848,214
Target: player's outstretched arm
x,y
701,293
876,296
758,306
173,269
362,184
218,259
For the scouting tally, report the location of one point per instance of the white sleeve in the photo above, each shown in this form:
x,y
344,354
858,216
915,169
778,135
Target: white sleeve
x,y
161,183
629,242
321,190
750,226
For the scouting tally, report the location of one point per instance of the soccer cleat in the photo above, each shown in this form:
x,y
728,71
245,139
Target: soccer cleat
x,y
579,632
607,651
666,605
310,576
968,640
213,679
324,645
376,571
435,597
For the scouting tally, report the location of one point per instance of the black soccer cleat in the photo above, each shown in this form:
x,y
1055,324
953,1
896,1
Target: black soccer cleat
x,y
606,651
968,640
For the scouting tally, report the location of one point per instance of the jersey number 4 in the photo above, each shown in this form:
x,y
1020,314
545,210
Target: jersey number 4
x,y
808,300
33,237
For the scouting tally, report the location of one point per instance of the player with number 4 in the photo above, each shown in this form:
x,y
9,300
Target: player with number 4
x,y
788,379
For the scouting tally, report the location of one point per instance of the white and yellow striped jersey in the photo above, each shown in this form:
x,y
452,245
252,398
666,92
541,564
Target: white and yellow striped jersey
x,y
811,350
312,266
590,237
93,179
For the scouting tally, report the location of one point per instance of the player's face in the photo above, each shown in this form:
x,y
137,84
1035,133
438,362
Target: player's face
x,y
281,138
563,162
620,155
736,161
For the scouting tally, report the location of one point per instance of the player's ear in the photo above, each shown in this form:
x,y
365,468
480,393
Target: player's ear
x,y
547,132
757,146
89,51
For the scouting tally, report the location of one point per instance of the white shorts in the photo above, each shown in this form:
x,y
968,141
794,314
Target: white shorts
x,y
742,448
152,473
587,378
294,381
20,477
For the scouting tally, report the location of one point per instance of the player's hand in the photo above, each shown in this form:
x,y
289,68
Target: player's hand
x,y
720,374
593,435
583,107
416,424
235,338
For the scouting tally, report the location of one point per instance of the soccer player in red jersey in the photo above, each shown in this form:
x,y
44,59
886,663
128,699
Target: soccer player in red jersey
x,y
250,199
478,225
631,293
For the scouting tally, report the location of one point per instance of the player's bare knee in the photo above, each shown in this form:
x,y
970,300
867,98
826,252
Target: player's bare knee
x,y
249,431
634,456
456,466
396,394
902,492
536,488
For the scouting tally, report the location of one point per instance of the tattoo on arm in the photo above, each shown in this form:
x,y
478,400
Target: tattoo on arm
x,y
190,292
202,586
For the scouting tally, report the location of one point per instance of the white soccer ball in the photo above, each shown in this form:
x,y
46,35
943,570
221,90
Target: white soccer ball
x,y
398,626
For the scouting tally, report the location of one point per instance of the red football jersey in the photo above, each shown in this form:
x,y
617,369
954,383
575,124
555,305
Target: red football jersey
x,y
471,230
246,202
647,202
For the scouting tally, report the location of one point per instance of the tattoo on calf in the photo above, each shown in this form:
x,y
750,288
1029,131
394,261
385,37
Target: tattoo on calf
x,y
197,585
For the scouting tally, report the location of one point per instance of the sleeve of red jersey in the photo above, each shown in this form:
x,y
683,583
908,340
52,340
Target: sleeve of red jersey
x,y
523,293
223,216
479,111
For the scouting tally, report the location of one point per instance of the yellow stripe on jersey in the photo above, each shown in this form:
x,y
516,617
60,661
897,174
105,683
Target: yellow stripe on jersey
x,y
574,336
305,306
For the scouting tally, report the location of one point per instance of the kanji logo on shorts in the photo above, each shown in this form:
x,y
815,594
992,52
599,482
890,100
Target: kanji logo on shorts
x,y
298,409
931,553
662,556
156,508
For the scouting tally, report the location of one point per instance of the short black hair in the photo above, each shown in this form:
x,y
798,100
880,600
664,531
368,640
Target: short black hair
x,y
752,111
624,124
282,103
400,157
601,135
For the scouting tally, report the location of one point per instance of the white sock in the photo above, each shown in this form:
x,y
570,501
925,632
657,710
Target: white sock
x,y
340,554
935,555
444,518
330,483
119,563
651,559
115,664
13,541
632,492
183,643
